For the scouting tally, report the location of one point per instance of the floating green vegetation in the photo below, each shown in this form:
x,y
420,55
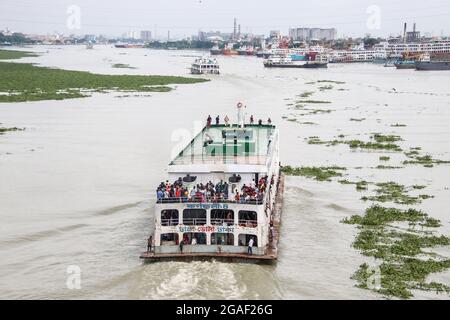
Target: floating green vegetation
x,y
310,82
315,111
359,185
357,119
394,192
372,145
323,88
306,94
316,173
313,101
12,54
378,137
308,123
404,266
122,65
398,125
331,81
3,130
26,82
381,166
427,161
385,158
354,144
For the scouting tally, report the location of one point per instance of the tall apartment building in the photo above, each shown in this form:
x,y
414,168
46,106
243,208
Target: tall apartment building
x,y
306,34
146,35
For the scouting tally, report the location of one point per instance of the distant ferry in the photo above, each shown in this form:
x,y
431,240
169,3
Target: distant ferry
x,y
215,50
246,51
432,65
405,64
205,65
222,198
128,45
433,47
314,61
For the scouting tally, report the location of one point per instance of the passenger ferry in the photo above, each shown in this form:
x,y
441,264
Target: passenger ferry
x,y
205,65
222,197
311,61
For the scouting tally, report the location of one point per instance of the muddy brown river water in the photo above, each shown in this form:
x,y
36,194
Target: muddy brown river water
x,y
77,186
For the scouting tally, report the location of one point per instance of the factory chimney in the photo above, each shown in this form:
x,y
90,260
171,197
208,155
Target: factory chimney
x,y
404,32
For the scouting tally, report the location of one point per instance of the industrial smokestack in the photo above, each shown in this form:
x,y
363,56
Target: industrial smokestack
x,y
414,27
234,29
404,32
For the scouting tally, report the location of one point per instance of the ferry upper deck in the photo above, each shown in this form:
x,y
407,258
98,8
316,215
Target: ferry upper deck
x,y
228,148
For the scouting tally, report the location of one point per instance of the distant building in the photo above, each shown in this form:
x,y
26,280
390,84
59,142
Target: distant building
x,y
215,35
307,34
132,35
275,34
146,35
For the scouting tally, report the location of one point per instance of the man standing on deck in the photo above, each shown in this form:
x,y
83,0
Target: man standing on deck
x,y
149,244
250,247
181,246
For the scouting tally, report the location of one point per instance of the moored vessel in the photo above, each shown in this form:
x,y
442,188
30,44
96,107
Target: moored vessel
x,y
314,61
205,65
432,65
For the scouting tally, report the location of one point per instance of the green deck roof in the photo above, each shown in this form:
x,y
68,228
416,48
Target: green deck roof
x,y
228,144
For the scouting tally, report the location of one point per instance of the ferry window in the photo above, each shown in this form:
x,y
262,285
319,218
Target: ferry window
x,y
169,239
248,218
169,217
243,239
194,217
220,217
200,238
224,239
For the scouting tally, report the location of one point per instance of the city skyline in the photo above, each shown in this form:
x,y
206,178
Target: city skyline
x,y
351,18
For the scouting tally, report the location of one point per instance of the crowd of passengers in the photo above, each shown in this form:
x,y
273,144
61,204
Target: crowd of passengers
x,y
211,192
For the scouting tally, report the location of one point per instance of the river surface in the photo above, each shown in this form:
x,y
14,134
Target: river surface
x,y
77,186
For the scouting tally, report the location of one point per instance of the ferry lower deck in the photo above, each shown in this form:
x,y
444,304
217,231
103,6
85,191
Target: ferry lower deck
x,y
270,255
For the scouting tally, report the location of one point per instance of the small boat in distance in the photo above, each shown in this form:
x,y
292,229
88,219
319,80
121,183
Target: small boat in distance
x,y
89,45
128,45
215,50
205,65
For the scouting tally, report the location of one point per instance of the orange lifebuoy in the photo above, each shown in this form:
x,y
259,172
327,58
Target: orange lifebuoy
x,y
239,105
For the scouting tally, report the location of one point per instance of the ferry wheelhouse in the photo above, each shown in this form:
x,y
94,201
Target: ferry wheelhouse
x,y
205,65
229,177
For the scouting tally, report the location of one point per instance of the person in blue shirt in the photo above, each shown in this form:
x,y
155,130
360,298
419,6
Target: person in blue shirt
x,y
159,194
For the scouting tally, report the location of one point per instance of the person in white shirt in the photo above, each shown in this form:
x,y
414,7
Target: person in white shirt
x,y
194,241
250,247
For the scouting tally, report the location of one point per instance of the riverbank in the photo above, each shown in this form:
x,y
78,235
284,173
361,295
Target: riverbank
x,y
21,82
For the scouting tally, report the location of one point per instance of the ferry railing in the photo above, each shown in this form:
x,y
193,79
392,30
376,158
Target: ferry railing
x,y
208,200
169,222
218,221
194,221
220,159
248,223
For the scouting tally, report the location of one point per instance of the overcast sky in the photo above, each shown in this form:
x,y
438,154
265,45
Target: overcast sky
x,y
187,17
